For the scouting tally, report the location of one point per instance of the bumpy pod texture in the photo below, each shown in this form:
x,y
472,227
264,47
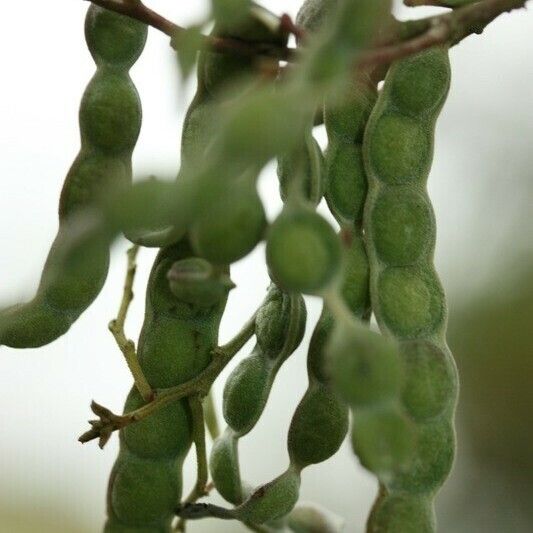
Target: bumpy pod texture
x,y
407,297
346,182
279,328
364,366
303,253
175,345
110,121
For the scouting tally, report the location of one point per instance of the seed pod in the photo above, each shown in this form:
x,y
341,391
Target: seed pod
x,y
195,281
279,328
408,514
110,120
229,228
406,294
364,365
383,439
303,252
271,501
175,345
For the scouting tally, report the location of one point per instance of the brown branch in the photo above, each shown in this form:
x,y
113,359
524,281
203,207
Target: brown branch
x,y
402,40
135,9
450,28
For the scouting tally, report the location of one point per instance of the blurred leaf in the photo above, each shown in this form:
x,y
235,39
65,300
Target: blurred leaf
x,y
187,43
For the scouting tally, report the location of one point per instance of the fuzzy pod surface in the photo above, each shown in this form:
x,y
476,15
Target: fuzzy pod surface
x,y
110,121
406,293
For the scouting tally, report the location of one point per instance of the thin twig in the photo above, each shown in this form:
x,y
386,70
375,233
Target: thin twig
x,y
135,9
449,28
200,487
116,326
200,385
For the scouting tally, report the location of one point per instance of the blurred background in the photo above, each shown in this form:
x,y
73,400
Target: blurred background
x,y
482,187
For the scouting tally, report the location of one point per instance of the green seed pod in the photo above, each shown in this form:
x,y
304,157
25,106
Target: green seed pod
x,y
246,393
346,113
354,289
279,325
408,514
303,252
318,427
174,346
231,227
432,460
110,117
345,117
411,301
406,294
114,40
383,439
224,468
400,149
430,385
144,492
271,501
403,225
273,321
164,433
346,182
364,365
430,73
195,281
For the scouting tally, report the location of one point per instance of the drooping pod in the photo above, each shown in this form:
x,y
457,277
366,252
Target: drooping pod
x,y
176,343
110,121
231,219
279,328
185,300
303,252
407,296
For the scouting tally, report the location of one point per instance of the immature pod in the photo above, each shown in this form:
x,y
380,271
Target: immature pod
x,y
364,366
303,253
345,118
176,343
279,328
406,294
110,121
301,172
230,219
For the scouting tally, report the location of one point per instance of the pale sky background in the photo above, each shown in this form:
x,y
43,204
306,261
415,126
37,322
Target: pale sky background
x,y
52,483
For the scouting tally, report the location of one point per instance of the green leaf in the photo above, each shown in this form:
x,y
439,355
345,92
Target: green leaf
x,y
187,43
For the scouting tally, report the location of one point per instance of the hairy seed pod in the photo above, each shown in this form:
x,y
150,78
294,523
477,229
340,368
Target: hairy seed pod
x,y
110,121
405,513
406,294
230,227
176,343
279,328
196,281
303,252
